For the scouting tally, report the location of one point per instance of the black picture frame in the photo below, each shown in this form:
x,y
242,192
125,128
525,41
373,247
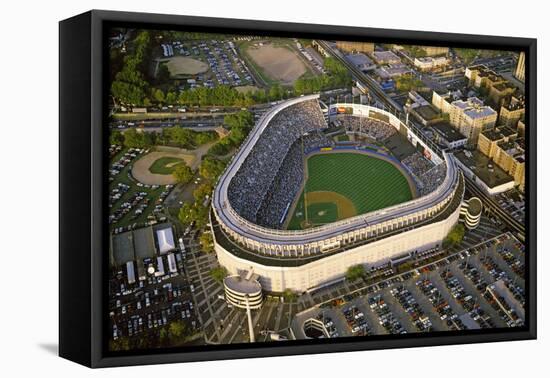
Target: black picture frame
x,y
82,163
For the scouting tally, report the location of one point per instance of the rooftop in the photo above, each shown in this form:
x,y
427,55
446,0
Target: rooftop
x,y
492,134
474,206
484,168
359,59
242,284
448,132
427,112
385,56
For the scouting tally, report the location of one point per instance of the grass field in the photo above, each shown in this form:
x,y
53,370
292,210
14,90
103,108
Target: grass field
x,y
341,185
165,165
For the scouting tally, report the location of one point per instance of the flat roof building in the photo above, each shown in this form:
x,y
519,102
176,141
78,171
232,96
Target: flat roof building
x,y
347,46
386,57
483,171
361,61
449,136
429,63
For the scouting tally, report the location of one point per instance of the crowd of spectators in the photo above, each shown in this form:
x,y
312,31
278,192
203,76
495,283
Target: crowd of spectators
x,y
257,173
428,176
373,128
288,181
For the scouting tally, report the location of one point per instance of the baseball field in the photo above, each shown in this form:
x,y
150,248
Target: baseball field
x,y
342,185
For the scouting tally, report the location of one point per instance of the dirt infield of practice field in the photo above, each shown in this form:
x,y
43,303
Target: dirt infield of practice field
x,y
141,172
181,66
279,63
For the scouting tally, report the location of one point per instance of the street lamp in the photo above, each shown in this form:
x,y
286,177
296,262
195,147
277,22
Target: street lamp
x,y
249,316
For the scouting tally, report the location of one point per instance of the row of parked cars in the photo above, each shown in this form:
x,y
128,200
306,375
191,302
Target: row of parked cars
x,y
420,320
513,262
386,317
356,321
440,305
466,300
328,324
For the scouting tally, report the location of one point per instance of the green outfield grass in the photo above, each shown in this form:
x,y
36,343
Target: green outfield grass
x,y
165,165
369,183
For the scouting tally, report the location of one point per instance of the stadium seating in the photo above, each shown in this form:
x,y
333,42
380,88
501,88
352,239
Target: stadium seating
x,y
256,176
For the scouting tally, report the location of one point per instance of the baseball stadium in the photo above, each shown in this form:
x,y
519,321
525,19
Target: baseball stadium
x,y
298,207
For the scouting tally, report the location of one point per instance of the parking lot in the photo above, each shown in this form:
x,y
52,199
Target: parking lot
x,y
142,314
225,67
223,324
132,204
480,286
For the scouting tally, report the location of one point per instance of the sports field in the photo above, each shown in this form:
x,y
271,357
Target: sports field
x,y
342,185
165,165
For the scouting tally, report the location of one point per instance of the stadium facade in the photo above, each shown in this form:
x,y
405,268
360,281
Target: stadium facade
x,y
304,259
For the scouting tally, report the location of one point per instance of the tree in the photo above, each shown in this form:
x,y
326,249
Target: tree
x,y
138,139
355,272
218,274
289,295
195,212
163,73
116,137
211,168
202,191
158,96
176,329
455,236
182,173
207,242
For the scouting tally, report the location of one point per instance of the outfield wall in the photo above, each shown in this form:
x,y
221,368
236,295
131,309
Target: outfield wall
x,y
334,267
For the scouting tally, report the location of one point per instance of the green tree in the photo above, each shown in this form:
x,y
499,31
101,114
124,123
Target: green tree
x,y
138,139
202,191
158,96
355,272
207,242
289,296
455,236
176,329
195,212
116,137
218,274
211,168
163,73
182,173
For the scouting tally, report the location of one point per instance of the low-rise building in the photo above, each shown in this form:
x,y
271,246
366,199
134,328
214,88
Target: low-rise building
x,y
393,70
347,46
484,172
361,61
429,63
448,136
386,57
